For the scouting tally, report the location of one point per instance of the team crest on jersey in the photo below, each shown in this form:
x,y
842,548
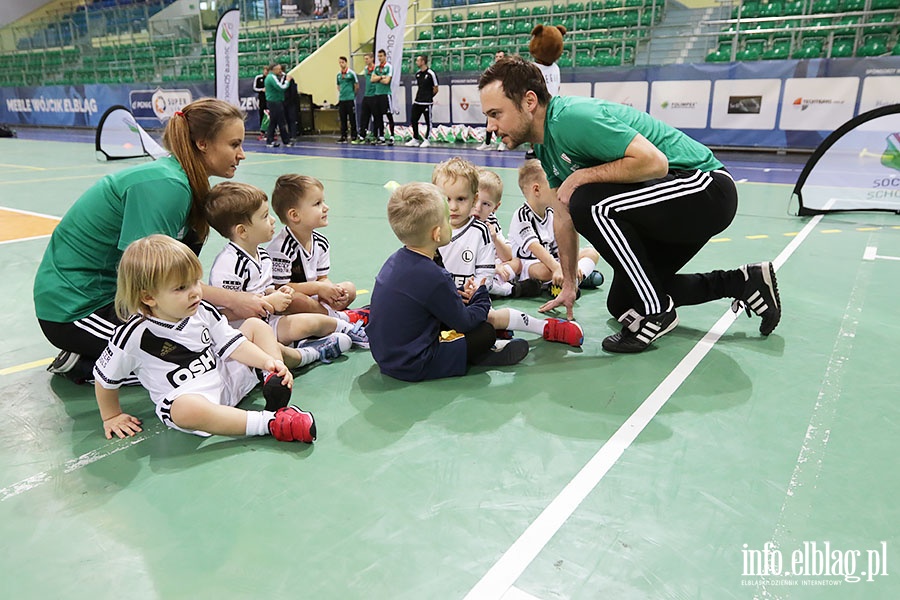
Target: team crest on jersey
x,y
467,255
204,336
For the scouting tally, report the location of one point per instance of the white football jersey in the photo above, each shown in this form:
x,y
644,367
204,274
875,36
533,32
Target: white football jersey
x,y
526,227
470,253
551,77
170,359
291,263
235,270
492,220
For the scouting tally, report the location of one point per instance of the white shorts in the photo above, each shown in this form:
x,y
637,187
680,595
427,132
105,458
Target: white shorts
x,y
527,263
237,380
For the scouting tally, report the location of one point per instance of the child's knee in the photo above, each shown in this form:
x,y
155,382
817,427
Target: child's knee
x,y
189,411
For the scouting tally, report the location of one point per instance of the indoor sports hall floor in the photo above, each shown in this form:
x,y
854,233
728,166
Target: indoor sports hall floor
x,y
576,474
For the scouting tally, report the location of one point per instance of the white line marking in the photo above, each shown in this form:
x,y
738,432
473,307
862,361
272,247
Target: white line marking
x,y
69,466
34,237
515,593
796,508
524,550
28,212
871,254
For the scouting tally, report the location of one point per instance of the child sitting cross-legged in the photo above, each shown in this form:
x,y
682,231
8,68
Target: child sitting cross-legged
x,y
240,213
195,366
469,255
532,238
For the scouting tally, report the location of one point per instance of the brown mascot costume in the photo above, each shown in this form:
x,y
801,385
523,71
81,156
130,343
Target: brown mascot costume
x,y
546,45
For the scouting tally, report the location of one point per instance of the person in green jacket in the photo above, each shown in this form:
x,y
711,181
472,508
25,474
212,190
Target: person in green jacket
x,y
75,284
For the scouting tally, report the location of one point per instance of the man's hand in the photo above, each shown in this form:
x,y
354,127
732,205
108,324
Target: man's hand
x,y
565,298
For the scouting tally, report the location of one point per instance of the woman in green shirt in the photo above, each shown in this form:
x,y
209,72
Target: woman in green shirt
x,y
75,285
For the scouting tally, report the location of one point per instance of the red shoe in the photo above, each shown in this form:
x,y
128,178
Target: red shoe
x,y
358,314
293,425
568,332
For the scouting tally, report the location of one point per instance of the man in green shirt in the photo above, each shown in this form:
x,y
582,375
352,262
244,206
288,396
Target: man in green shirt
x,y
645,195
381,77
368,101
275,88
347,86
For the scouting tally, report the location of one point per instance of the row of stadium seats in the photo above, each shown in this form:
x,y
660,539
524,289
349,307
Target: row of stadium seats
x,y
841,47
776,8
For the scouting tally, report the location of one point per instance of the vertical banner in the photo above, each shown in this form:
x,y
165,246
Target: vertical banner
x,y
389,30
227,57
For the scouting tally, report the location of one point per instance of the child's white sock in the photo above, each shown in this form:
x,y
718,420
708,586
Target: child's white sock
x,y
307,355
337,314
586,266
519,321
258,422
500,287
343,326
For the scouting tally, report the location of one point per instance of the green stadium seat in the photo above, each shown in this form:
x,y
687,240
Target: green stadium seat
x,y
874,45
457,17
425,34
808,49
825,6
842,47
473,30
523,26
896,50
846,24
875,26
539,11
491,30
507,13
486,61
439,64
475,15
885,4
442,18
577,7
507,28
523,11
441,32
565,61
852,5
490,14
471,62
747,10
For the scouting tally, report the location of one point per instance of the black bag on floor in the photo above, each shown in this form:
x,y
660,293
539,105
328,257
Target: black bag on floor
x,y
7,132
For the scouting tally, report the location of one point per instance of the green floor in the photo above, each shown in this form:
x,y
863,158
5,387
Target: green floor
x,y
418,491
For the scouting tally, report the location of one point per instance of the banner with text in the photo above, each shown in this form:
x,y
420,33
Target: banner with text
x,y
227,57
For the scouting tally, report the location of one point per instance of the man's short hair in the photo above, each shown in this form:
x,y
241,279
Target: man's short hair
x,y
230,203
456,168
530,172
424,58
517,76
289,190
343,58
414,210
381,51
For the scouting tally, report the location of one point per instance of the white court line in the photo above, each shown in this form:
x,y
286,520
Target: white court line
x,y
524,550
515,593
34,237
117,445
28,212
871,254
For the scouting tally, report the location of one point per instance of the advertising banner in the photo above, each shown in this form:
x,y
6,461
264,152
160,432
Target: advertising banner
x,y
745,103
227,57
683,104
389,37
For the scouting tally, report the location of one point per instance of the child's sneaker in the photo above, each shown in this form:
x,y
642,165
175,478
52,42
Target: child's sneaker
x,y
567,332
593,280
64,362
358,335
529,288
358,314
504,334
504,353
639,331
277,394
760,295
330,346
413,143
291,424
555,290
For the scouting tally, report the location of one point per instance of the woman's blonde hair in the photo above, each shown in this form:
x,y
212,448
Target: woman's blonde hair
x,y
199,120
414,210
148,265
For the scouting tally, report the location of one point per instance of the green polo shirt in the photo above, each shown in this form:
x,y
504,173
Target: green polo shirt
x,y
275,89
346,83
585,132
78,272
383,89
370,87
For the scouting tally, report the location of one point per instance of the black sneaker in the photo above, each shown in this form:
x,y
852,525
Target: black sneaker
x,y
64,362
504,355
342,140
277,394
760,295
529,288
639,331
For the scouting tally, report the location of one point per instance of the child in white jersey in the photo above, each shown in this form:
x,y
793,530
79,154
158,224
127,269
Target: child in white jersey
x,y
196,367
469,256
508,266
240,213
533,241
300,254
